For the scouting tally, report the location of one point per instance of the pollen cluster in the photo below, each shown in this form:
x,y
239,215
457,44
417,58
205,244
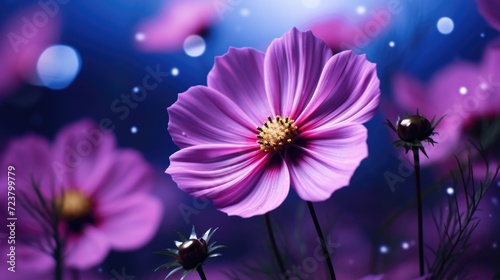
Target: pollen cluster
x,y
74,204
276,133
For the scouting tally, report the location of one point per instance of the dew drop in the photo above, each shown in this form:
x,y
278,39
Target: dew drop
x,y
392,44
462,90
405,245
174,71
134,129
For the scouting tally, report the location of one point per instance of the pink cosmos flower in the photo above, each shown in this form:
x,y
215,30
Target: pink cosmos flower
x,y
105,205
490,10
22,44
465,92
290,116
176,21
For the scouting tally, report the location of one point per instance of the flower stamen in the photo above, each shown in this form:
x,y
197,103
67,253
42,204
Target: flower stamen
x,y
276,133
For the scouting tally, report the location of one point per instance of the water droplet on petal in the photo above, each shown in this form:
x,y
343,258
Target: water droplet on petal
x,y
405,245
450,191
174,71
392,44
134,129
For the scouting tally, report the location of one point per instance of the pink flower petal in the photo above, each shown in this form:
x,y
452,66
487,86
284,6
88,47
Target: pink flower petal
x,y
130,223
348,91
241,182
202,115
326,160
78,154
30,156
247,90
490,10
126,174
292,68
87,250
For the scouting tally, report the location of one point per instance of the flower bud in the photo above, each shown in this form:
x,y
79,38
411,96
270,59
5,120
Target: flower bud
x,y
414,128
192,252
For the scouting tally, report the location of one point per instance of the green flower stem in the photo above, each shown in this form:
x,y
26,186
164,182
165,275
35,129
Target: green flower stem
x,y
322,240
416,161
201,273
274,246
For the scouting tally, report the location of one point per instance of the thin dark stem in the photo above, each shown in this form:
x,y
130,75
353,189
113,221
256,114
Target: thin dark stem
x,y
201,273
416,161
322,240
274,246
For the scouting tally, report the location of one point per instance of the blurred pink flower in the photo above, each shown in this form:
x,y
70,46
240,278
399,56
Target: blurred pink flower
x,y
290,116
106,204
463,91
176,21
339,33
26,37
490,10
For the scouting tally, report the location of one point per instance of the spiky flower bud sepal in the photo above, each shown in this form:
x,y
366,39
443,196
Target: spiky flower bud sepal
x,y
413,131
190,253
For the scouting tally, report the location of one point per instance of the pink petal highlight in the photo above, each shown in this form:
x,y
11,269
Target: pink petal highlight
x,y
348,91
202,115
326,160
246,91
292,68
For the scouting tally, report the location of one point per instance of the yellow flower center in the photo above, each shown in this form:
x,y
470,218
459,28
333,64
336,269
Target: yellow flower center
x,y
276,134
74,205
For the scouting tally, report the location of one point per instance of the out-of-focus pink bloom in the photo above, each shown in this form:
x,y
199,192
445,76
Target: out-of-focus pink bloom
x,y
25,37
106,202
490,10
176,21
340,33
291,116
463,91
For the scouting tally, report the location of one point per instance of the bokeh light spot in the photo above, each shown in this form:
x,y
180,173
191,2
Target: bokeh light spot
x,y
194,45
58,66
445,25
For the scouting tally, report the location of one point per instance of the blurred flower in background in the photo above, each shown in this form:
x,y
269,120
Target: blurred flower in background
x,y
25,35
490,10
102,191
465,92
179,23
